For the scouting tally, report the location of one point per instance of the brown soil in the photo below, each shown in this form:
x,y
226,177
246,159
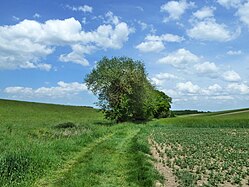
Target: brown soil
x,y
170,179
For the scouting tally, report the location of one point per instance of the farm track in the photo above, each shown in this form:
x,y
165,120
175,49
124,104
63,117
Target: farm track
x,y
231,113
109,153
70,164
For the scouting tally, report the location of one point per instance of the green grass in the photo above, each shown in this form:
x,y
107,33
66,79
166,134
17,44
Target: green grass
x,y
56,145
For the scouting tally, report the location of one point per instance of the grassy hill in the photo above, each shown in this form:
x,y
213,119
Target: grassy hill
x,y
57,145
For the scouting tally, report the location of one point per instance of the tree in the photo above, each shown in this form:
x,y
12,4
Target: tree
x,y
162,105
123,89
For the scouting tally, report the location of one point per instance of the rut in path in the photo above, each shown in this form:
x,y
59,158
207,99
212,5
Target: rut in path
x,y
109,154
70,164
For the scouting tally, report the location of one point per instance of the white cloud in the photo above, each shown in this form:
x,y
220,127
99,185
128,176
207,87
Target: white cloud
x,y
164,38
111,18
76,55
229,3
206,68
167,76
140,8
36,15
179,58
209,30
188,87
205,12
175,9
243,13
150,46
61,90
154,43
161,78
223,97
232,53
143,25
27,43
157,82
242,88
84,8
215,88
15,18
231,76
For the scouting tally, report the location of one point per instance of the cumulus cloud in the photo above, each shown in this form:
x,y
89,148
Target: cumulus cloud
x,y
210,30
62,89
27,43
111,18
215,88
243,13
175,9
76,54
229,3
84,8
188,87
161,78
154,43
179,58
207,68
203,13
232,53
231,76
150,46
36,15
236,87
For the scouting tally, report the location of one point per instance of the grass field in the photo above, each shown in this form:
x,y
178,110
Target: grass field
x,y
56,145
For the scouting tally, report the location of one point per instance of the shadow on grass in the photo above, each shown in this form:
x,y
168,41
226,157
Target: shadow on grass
x,y
105,123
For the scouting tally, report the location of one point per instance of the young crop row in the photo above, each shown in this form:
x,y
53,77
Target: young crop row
x,y
205,156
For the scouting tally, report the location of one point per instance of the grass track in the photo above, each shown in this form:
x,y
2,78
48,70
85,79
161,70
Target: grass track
x,y
70,164
107,164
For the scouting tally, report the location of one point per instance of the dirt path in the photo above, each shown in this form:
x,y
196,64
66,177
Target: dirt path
x,y
232,113
164,170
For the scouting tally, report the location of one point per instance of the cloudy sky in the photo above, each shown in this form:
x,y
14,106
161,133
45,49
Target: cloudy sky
x,y
195,51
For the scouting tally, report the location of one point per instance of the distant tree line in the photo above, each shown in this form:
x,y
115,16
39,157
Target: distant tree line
x,y
185,112
124,91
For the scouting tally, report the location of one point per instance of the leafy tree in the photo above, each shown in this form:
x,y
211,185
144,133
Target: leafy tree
x,y
123,89
161,105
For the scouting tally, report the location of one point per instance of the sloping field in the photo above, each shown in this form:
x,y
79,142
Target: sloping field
x,y
56,145
244,113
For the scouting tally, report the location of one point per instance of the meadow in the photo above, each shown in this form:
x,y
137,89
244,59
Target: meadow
x,y
56,145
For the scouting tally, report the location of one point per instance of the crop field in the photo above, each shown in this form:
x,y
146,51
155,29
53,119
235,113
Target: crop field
x,y
203,151
56,145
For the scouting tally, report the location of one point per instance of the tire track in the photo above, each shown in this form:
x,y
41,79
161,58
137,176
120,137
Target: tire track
x,y
70,164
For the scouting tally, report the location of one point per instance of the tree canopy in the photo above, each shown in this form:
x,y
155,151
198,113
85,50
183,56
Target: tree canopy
x,y
124,91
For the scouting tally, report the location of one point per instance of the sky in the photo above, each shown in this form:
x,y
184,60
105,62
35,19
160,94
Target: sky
x,y
195,51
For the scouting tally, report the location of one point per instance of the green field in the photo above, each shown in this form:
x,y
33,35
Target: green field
x,y
56,145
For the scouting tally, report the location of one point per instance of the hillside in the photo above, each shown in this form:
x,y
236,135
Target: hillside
x,y
57,145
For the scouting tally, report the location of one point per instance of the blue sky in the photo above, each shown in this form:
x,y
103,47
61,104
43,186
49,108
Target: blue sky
x,y
195,51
